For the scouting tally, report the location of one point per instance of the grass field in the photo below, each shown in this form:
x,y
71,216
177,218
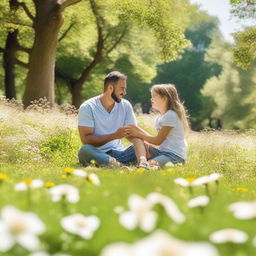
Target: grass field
x,y
41,143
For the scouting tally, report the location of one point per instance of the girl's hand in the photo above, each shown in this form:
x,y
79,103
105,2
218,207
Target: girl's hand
x,y
134,131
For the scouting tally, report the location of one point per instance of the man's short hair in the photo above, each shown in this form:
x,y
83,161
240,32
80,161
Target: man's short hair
x,y
112,78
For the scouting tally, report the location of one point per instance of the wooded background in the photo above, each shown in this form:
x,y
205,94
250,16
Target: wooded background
x,y
61,50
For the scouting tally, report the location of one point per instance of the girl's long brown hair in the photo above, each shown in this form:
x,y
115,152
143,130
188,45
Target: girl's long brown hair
x,y
169,91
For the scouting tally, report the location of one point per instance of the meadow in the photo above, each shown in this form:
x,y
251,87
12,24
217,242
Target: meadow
x,y
132,212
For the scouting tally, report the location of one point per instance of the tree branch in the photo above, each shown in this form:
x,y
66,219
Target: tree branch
x,y
67,3
66,32
100,45
24,49
116,42
22,64
27,11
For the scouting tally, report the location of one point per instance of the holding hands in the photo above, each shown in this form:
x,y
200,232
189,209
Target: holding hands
x,y
129,130
134,131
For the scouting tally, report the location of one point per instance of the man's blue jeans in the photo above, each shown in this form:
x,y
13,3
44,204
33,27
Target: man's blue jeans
x,y
88,152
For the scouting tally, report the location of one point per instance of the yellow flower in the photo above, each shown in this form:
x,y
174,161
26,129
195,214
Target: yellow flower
x,y
49,184
140,170
63,176
28,181
190,179
69,170
3,177
241,189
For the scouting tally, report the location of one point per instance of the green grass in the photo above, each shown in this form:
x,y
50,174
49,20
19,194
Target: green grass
x,y
44,151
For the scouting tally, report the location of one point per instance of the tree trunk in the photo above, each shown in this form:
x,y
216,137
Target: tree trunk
x,y
40,78
9,64
76,91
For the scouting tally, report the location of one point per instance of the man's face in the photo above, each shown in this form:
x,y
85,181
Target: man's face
x,y
119,90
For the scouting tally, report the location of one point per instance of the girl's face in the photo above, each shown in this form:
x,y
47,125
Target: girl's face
x,y
158,102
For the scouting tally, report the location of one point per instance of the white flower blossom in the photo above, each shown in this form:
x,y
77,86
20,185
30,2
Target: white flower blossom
x,y
198,201
229,235
80,173
189,182
184,182
66,191
139,214
168,204
81,225
202,180
93,179
19,227
243,210
215,176
160,244
28,184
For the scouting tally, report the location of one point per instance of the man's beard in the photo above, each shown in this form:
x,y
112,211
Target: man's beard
x,y
115,98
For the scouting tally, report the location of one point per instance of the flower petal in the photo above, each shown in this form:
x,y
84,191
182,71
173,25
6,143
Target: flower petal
x,y
28,241
128,219
6,240
148,222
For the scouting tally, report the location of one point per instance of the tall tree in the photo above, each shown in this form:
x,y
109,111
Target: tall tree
x,y
12,46
153,15
47,22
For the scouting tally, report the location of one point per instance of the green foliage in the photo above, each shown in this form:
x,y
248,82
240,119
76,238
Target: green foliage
x,y
158,16
245,50
61,148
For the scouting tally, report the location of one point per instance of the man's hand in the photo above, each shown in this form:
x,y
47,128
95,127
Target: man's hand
x,y
122,132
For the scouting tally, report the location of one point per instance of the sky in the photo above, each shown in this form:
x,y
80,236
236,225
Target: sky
x,y
221,9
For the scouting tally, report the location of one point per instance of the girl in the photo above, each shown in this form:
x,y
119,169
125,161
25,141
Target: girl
x,y
171,126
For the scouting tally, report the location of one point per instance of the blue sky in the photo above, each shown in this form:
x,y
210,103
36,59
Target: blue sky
x,y
221,9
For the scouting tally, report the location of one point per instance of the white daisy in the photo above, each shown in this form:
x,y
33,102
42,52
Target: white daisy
x,y
19,227
168,204
93,179
64,191
198,201
243,210
188,182
229,235
215,176
139,214
81,225
80,173
204,180
160,244
28,184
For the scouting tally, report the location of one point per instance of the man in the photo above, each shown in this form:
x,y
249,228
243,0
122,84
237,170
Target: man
x,y
101,125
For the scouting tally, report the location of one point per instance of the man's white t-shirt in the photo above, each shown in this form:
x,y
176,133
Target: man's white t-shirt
x,y
175,141
93,114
